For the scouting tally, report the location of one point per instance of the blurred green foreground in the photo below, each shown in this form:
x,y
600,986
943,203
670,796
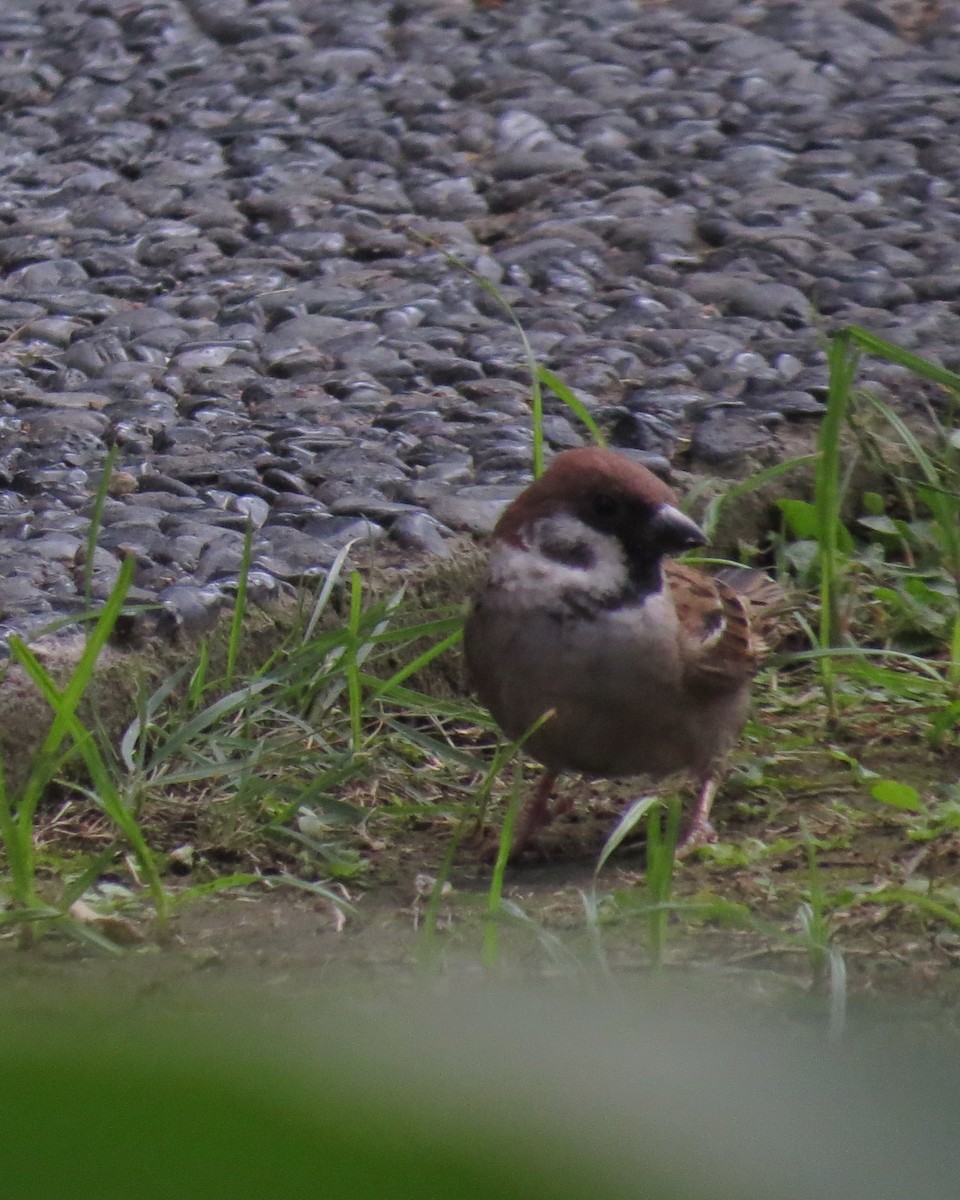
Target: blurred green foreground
x,y
460,1091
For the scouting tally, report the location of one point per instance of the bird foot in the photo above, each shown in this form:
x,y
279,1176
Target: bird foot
x,y
527,835
700,833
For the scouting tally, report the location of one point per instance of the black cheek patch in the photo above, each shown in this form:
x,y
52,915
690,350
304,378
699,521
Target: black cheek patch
x,y
578,555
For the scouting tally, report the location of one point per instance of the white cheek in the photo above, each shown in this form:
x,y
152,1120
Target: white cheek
x,y
527,570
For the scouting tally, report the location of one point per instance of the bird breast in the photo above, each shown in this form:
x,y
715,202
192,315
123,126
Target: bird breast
x,y
613,676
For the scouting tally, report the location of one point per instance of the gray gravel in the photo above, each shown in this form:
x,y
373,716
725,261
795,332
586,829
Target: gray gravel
x,y
212,226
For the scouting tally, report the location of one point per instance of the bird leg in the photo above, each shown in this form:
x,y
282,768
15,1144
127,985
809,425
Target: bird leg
x,y
701,832
536,813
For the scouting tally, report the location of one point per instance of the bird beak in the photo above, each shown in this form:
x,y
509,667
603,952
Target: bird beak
x,y
673,531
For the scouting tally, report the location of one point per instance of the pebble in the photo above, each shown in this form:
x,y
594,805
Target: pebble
x,y
472,510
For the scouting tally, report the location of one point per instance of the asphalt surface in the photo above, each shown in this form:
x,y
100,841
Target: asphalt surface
x,y
224,231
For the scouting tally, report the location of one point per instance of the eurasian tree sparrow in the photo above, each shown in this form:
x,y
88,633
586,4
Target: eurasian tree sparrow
x,y
644,663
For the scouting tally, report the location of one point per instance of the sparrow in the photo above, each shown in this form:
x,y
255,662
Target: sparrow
x,y
642,663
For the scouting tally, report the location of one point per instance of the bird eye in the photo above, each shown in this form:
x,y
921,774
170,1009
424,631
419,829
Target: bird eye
x,y
605,506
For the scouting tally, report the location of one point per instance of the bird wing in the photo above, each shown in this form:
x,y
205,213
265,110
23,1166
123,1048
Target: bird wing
x,y
720,643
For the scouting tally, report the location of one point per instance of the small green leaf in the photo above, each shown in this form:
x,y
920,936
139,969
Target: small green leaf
x,y
897,795
801,516
860,772
881,524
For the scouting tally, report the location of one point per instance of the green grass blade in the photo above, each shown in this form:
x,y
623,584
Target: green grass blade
x,y
45,761
314,888
436,747
185,733
591,912
941,502
827,501
827,490
354,686
326,591
213,887
199,677
105,791
556,385
240,605
96,519
861,657
88,876
623,828
27,917
953,670
947,914
896,354
663,830
419,702
390,686
439,626
316,795
133,744
16,834
491,931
